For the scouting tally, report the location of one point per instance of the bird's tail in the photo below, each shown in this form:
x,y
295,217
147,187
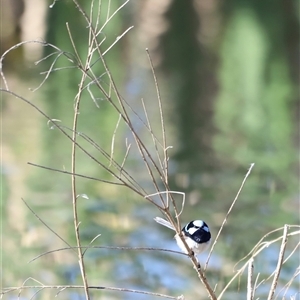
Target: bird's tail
x,y
164,222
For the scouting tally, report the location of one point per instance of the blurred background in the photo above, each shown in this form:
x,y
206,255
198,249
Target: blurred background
x,y
228,73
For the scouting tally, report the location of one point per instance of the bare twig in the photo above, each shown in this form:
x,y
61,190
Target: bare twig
x,y
163,129
73,168
113,141
128,146
61,129
226,217
130,182
75,174
288,285
117,40
255,284
154,139
145,154
108,288
112,15
166,204
73,45
46,225
91,242
42,43
200,273
165,148
279,263
257,249
250,276
110,248
261,245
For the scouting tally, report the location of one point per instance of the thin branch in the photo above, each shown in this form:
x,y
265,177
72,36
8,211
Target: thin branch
x,y
108,9
288,285
51,68
279,263
108,288
200,273
60,128
11,49
45,224
132,183
163,129
97,22
144,152
255,283
91,94
73,44
109,248
142,149
258,248
154,139
117,40
73,178
91,242
125,157
260,245
114,13
249,283
53,3
113,141
146,125
286,259
166,204
75,174
57,69
226,217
